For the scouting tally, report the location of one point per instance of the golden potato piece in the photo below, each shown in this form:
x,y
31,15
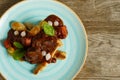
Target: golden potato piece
x,y
61,55
11,50
35,30
17,26
40,67
59,42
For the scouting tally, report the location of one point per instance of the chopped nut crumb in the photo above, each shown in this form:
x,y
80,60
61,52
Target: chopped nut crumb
x,y
23,33
48,56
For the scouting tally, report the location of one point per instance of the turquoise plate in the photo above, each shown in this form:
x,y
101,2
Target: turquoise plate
x,y
75,44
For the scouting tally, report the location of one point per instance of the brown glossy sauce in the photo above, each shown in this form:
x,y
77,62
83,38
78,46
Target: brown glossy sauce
x,y
34,45
41,42
61,30
54,18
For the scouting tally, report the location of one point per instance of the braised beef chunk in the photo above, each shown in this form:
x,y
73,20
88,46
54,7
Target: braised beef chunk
x,y
12,38
54,19
61,32
26,41
45,43
33,56
60,28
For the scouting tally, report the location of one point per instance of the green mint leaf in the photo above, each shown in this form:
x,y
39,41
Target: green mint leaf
x,y
18,45
49,30
18,54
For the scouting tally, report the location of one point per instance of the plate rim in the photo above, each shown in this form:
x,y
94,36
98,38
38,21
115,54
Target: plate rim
x,y
75,14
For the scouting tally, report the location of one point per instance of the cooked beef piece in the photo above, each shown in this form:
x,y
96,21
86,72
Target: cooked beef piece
x,y
33,55
26,41
12,38
44,42
47,44
53,19
61,32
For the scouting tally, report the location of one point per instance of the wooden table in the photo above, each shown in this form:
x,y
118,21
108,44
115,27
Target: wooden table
x,y
101,19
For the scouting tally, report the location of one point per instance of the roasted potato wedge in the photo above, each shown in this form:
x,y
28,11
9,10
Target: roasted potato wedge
x,y
35,30
61,55
40,67
18,26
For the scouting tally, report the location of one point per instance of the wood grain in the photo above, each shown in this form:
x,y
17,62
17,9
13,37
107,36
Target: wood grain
x,y
101,19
